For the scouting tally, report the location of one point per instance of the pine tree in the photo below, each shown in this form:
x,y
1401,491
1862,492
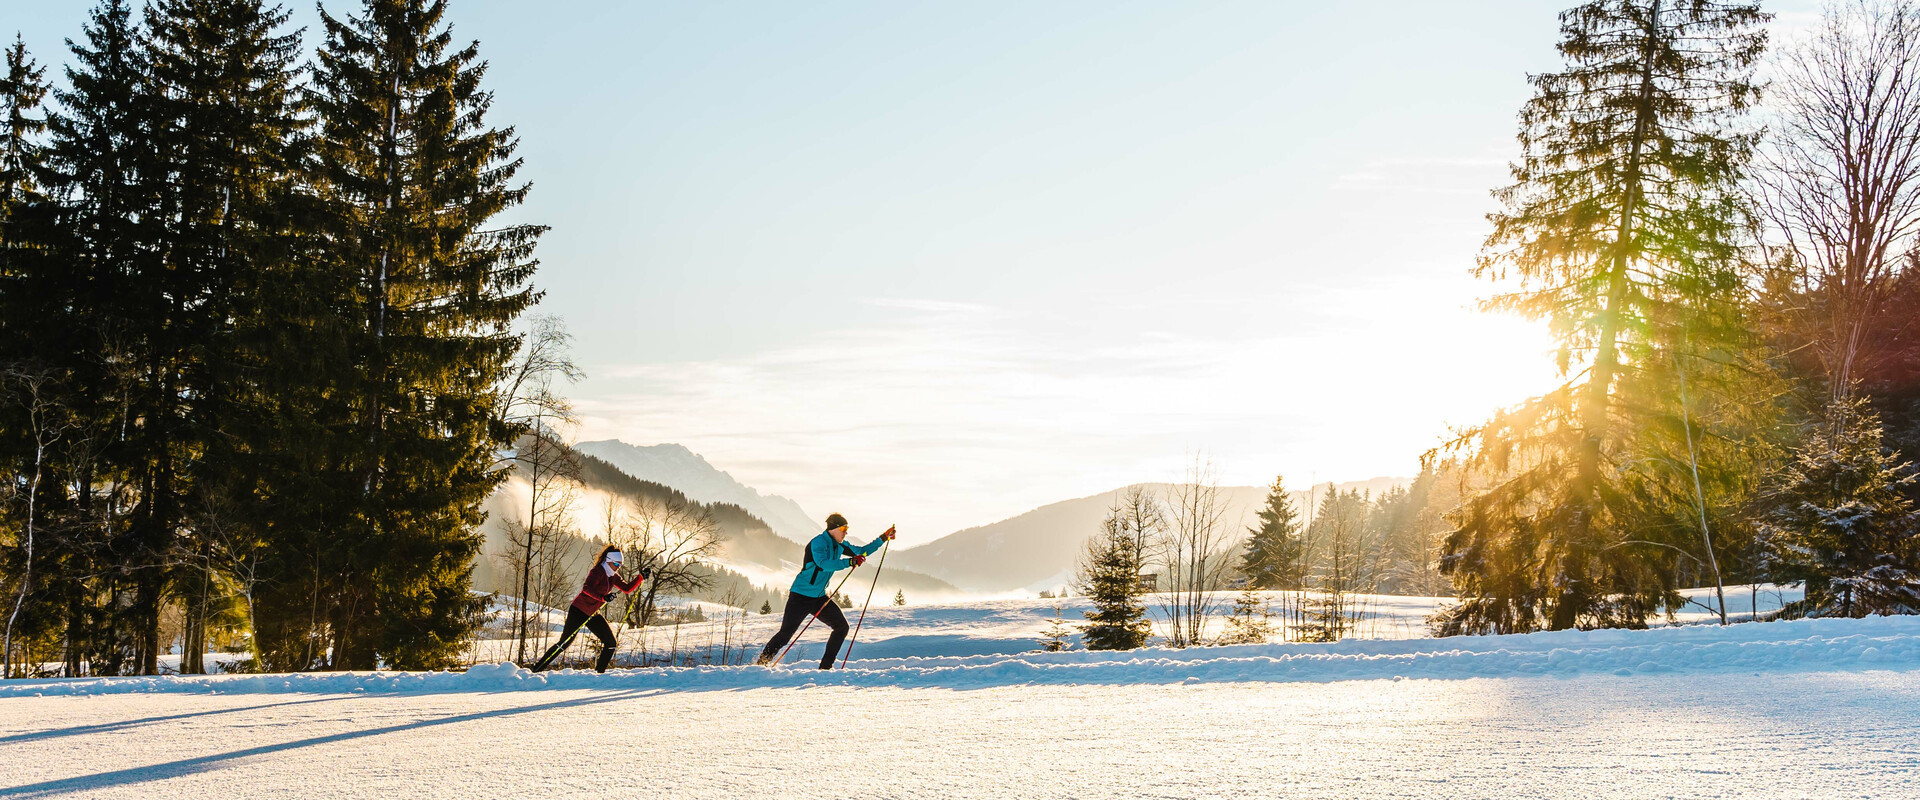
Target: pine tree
x,y
1058,636
1249,622
30,417
24,205
175,153
766,606
87,326
1626,197
22,162
410,176
1110,579
1348,564
899,597
1840,523
1273,558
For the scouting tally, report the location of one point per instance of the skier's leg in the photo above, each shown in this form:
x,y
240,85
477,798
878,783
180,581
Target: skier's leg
x,y
798,608
601,629
832,616
574,618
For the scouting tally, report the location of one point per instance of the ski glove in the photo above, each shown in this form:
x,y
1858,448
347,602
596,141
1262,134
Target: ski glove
x,y
858,560
889,534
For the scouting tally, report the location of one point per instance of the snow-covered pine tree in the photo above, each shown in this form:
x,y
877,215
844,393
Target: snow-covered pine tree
x,y
412,180
1629,176
1110,580
1274,554
1840,521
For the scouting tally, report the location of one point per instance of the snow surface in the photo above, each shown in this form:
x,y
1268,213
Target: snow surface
x,y
946,703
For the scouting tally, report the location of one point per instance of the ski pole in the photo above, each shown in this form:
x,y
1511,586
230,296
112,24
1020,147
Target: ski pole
x,y
863,605
816,615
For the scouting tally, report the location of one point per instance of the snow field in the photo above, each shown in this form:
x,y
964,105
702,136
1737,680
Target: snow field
x,y
1793,646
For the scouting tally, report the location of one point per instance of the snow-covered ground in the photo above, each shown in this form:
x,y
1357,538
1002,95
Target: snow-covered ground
x,y
942,702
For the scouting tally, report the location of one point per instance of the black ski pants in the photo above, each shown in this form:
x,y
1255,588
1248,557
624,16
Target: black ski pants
x,y
595,623
799,608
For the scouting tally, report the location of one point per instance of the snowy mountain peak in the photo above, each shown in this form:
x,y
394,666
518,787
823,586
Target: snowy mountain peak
x,y
680,468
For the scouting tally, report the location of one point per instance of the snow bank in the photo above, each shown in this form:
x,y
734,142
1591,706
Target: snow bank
x,y
1800,645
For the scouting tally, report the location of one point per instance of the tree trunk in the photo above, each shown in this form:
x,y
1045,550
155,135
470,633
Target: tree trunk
x,y
26,574
194,639
1699,496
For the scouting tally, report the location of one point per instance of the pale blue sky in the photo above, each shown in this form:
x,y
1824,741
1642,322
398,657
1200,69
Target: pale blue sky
x,y
939,263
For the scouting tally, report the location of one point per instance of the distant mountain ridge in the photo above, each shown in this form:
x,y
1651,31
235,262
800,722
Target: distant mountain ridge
x,y
1038,549
687,472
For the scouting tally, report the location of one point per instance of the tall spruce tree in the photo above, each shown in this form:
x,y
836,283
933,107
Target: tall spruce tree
x,y
409,176
107,185
221,119
1627,184
1274,557
30,418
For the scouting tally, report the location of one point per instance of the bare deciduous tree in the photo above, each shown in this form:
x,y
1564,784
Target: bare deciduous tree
x,y
1841,179
531,402
668,541
528,394
539,542
234,551
32,390
1194,552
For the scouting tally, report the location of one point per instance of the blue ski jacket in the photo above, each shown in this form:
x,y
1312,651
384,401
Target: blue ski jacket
x,y
824,557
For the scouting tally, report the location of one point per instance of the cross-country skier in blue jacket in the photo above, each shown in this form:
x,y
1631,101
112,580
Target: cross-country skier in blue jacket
x,y
827,554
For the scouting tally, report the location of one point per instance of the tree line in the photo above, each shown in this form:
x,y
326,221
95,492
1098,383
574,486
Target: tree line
x,y
255,316
1305,569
